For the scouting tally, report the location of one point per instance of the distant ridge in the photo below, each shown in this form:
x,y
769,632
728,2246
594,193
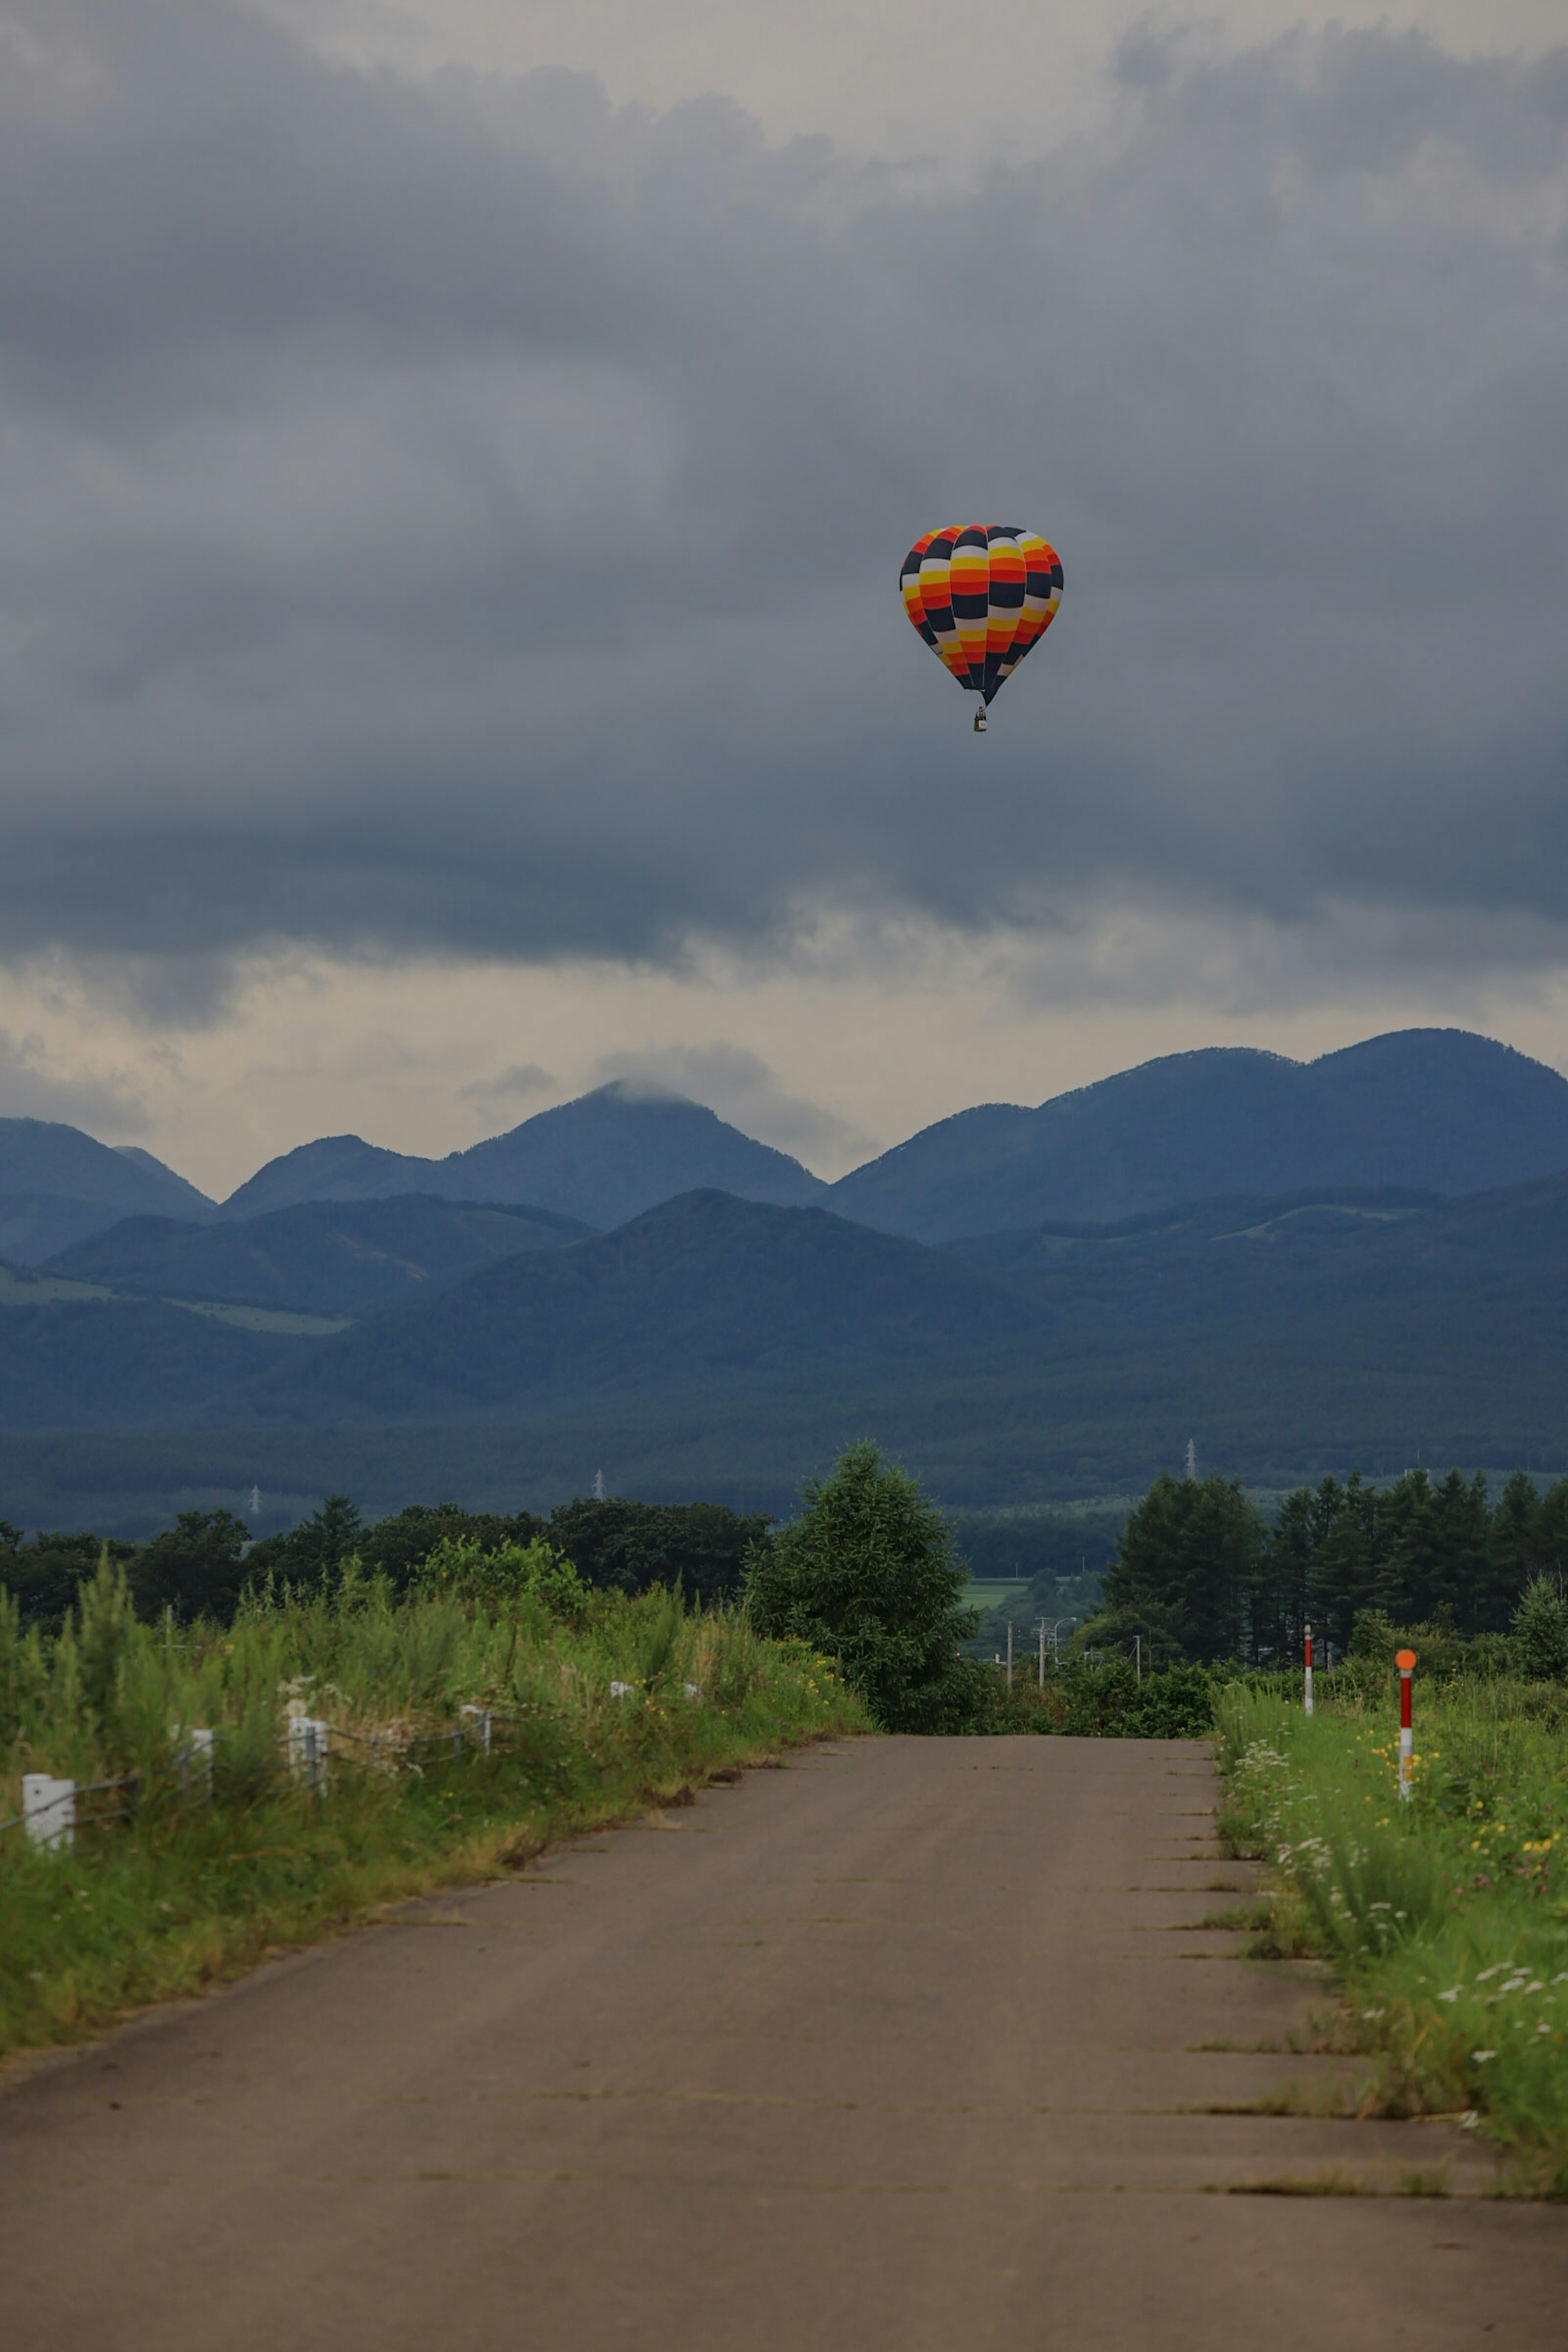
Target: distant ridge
x,y
1437,1110
605,1157
44,1156
56,1184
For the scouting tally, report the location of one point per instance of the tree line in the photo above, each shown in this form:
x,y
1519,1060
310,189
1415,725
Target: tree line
x,y
202,1564
1201,1574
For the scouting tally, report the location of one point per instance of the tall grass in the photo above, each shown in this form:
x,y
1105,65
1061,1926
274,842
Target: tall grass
x,y
187,1889
1448,1915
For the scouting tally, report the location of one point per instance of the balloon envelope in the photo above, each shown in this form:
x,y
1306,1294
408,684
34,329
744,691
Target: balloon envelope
x,y
982,596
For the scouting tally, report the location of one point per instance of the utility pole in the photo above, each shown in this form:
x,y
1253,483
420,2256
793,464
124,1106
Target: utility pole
x,y
1041,1623
1192,1459
1009,1653
1138,1656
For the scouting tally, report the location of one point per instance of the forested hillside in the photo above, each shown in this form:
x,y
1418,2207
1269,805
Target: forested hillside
x,y
324,1257
715,1345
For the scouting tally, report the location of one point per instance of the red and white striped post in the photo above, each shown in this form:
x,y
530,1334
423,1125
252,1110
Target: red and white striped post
x,y
1307,1682
1406,1660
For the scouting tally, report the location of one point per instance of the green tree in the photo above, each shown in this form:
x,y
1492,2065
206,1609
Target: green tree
x,y
1120,1629
1285,1597
196,1567
866,1574
1403,1549
631,1547
1345,1577
398,1545
1513,1553
44,1576
1192,1548
1459,1550
1550,1556
1540,1629
316,1549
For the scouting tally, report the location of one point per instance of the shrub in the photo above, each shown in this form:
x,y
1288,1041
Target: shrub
x,y
511,1572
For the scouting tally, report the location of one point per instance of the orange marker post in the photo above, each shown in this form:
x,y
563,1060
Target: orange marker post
x,y
1406,1660
1307,1684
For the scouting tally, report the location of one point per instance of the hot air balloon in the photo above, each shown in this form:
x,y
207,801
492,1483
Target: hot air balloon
x,y
982,594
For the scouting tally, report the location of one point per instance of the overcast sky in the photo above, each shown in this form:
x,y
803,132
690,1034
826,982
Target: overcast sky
x,y
456,458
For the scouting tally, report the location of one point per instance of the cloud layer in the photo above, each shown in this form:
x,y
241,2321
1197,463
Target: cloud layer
x,y
32,1086
456,516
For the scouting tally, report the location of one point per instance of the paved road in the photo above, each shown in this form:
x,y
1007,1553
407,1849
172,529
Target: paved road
x,y
892,2051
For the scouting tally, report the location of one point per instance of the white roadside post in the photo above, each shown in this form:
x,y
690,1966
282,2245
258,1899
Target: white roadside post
x,y
1307,1685
193,1759
1406,1660
307,1749
48,1809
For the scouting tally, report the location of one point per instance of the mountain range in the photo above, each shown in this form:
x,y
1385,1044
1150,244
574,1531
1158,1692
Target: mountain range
x,y
602,1159
1410,1297
1438,1110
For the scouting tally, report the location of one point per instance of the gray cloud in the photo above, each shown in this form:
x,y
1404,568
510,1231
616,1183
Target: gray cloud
x,y
742,1088
29,1088
459,516
497,1098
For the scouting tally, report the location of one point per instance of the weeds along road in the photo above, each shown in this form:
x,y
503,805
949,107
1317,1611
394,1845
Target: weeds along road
x,y
900,2049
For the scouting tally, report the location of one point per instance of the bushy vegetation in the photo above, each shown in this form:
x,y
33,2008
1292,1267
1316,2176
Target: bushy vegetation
x,y
1082,1700
1447,1915
598,1702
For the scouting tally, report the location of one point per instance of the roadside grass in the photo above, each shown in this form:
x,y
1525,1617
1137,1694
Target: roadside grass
x,y
1446,1918
191,1889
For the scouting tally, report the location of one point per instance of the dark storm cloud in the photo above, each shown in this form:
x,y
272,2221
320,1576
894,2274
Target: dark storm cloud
x,y
458,516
